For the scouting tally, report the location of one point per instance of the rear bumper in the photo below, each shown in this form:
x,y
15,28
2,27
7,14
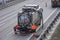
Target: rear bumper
x,y
29,30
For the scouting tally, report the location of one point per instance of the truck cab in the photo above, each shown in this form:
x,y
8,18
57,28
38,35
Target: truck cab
x,y
55,3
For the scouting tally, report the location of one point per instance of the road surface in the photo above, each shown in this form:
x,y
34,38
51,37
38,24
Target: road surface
x,y
8,18
8,3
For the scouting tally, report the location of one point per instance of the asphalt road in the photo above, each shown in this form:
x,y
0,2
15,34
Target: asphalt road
x,y
8,18
9,3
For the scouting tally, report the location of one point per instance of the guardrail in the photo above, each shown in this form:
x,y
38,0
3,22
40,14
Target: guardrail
x,y
46,31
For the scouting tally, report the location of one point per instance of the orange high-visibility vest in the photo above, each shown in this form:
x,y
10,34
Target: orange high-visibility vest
x,y
33,26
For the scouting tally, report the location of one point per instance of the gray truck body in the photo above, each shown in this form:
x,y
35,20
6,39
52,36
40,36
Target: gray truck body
x,y
55,3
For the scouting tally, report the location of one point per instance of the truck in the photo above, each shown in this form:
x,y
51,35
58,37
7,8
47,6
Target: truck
x,y
55,3
30,15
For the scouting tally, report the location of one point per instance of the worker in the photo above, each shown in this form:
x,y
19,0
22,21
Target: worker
x,y
34,30
16,27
